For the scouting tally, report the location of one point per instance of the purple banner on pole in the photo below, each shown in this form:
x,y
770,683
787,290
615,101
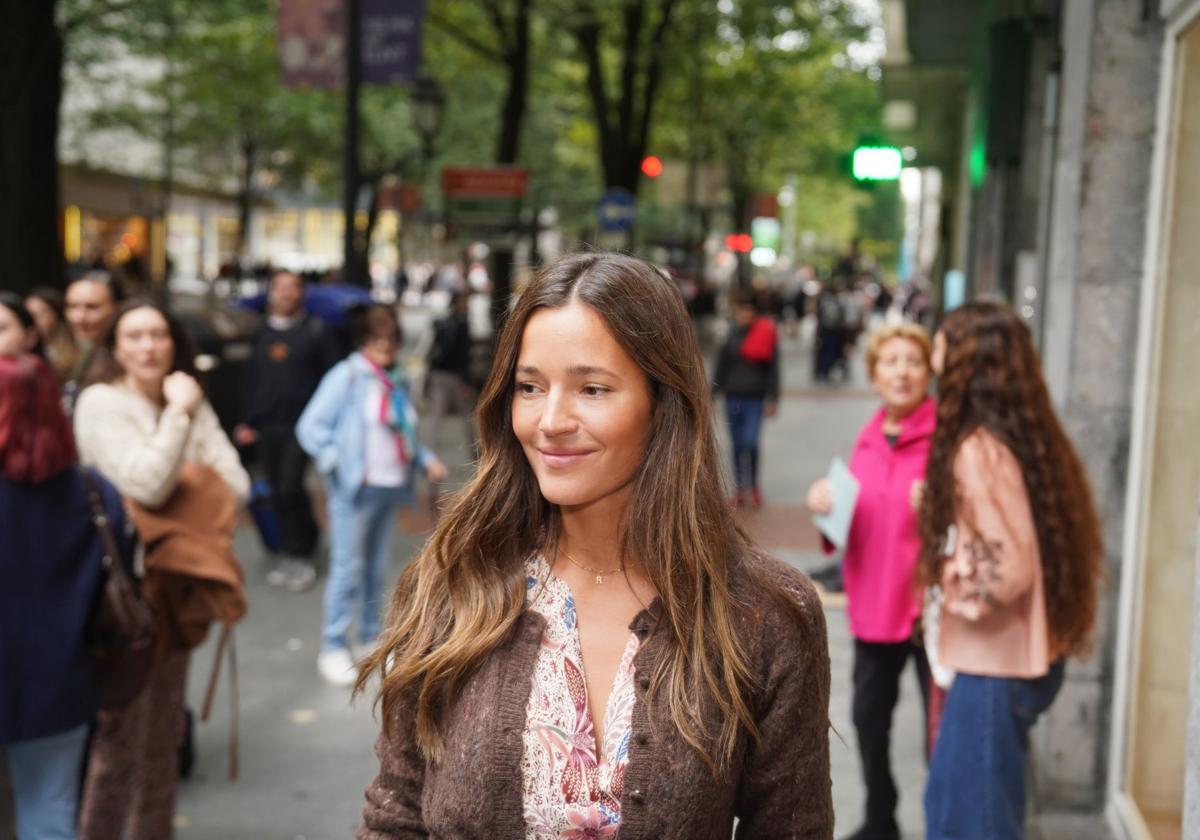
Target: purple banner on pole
x,y
391,40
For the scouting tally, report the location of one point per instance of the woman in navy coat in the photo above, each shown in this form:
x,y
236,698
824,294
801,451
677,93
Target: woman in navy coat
x,y
51,573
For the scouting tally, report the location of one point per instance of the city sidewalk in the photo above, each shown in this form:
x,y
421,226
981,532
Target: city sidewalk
x,y
306,752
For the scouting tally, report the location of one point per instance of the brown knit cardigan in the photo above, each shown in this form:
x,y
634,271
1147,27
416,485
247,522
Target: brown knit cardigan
x,y
779,788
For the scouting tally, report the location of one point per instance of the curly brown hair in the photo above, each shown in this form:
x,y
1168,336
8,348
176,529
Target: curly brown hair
x,y
991,379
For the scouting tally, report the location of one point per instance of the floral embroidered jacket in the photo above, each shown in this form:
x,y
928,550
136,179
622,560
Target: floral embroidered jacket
x,y
571,791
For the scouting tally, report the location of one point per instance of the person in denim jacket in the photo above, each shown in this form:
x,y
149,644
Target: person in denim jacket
x,y
360,429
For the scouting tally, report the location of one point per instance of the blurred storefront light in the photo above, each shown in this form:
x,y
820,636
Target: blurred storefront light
x,y
877,163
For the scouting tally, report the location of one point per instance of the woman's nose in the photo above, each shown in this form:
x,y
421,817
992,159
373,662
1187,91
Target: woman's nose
x,y
557,417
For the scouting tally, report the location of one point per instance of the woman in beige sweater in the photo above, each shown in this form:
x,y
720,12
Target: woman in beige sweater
x,y
143,419
1012,538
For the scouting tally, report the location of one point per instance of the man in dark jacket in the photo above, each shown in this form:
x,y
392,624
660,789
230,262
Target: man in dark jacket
x,y
751,389
448,387
291,354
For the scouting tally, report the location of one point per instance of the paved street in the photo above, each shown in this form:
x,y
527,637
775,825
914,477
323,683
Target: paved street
x,y
306,753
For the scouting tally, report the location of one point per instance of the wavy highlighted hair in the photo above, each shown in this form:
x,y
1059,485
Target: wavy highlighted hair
x,y
460,598
992,379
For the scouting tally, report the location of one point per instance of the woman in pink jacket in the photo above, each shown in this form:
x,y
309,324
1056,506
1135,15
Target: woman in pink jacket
x,y
881,555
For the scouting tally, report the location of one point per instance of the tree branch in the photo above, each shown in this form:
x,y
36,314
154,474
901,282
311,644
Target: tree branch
x,y
587,33
653,75
103,8
634,17
500,24
465,38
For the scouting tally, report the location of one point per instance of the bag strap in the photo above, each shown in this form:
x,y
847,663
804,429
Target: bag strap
x,y
112,551
226,640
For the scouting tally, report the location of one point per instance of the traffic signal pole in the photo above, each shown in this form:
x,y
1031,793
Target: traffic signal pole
x,y
351,265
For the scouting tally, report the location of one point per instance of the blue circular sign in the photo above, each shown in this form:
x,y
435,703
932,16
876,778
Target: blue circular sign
x,y
616,210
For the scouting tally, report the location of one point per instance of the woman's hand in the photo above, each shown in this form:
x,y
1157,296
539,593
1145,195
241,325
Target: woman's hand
x,y
820,497
916,494
182,391
436,471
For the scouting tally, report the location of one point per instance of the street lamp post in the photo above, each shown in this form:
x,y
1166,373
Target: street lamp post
x,y
428,107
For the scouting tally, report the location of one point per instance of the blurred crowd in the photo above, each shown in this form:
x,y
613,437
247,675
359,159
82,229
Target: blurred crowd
x,y
116,469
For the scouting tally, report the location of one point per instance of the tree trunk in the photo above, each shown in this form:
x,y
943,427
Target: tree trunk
x,y
623,127
364,253
245,197
31,58
740,194
512,117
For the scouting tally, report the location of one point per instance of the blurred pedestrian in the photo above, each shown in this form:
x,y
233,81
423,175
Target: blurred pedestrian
x,y
51,565
880,562
18,332
48,308
91,304
747,374
850,297
142,424
291,354
448,388
360,427
599,491
831,337
1012,538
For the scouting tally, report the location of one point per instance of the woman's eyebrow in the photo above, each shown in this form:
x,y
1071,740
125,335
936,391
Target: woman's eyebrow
x,y
574,370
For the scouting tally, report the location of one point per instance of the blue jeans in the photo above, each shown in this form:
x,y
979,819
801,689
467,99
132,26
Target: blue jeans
x,y
745,422
360,545
45,780
976,788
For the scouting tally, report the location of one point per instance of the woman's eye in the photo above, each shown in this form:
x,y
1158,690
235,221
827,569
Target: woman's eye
x,y
594,390
526,388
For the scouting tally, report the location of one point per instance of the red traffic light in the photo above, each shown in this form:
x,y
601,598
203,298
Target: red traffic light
x,y
652,166
739,243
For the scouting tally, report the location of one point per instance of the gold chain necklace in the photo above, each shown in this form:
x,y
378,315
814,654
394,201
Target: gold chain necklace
x,y
599,573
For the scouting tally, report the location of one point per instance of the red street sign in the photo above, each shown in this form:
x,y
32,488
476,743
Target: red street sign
x,y
403,197
485,183
766,204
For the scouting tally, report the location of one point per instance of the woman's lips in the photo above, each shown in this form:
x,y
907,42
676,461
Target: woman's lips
x,y
561,458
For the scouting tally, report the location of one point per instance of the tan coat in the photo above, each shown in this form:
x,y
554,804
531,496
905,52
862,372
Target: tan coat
x,y
192,576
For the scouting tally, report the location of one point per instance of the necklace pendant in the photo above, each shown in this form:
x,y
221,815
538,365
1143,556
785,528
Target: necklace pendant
x,y
599,578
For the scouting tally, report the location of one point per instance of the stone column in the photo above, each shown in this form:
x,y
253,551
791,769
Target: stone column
x,y
1111,52
1191,785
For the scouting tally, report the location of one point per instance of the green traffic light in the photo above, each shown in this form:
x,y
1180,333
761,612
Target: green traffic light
x,y
877,163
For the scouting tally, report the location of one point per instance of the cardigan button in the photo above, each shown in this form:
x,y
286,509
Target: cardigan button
x,y
644,683
637,797
642,740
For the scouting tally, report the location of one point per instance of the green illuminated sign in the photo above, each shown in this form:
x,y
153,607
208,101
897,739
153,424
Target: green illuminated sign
x,y
877,163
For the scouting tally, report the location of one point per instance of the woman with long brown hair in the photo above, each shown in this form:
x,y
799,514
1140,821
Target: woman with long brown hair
x,y
1011,536
597,531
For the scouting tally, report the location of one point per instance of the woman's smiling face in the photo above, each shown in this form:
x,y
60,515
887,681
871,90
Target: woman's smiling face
x,y
581,407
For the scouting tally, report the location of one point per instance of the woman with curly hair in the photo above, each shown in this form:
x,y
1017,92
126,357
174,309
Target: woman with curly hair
x,y
1011,536
588,643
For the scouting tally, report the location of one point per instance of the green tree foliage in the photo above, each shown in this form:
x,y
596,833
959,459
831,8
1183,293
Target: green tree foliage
x,y
577,91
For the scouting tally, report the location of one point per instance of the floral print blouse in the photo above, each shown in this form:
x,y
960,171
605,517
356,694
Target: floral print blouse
x,y
570,791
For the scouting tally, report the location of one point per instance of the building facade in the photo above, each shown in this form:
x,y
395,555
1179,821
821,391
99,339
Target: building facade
x,y
1068,136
